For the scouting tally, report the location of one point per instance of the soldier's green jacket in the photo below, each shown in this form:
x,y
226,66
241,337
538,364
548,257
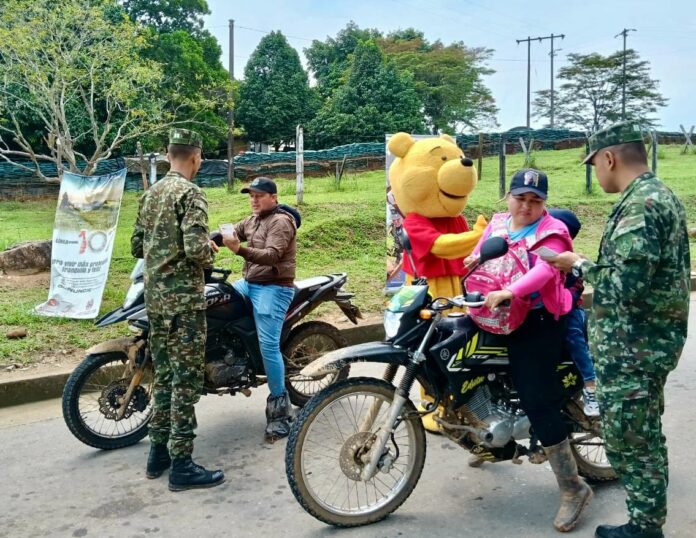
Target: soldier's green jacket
x,y
641,279
171,234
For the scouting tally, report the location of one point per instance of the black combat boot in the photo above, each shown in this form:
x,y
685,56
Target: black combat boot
x,y
629,530
185,474
158,461
278,417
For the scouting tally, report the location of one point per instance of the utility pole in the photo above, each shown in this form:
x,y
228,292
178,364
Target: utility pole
x,y
529,66
624,33
230,134
552,54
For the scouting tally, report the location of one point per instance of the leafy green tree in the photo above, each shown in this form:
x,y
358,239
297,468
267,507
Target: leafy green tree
x,y
449,80
376,99
79,72
169,15
275,95
329,60
591,96
190,58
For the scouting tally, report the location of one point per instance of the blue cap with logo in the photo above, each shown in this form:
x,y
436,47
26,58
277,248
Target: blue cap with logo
x,y
530,180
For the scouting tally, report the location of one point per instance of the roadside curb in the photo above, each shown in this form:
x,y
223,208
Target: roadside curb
x,y
42,387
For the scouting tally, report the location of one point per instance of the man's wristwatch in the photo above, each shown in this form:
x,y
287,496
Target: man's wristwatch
x,y
576,268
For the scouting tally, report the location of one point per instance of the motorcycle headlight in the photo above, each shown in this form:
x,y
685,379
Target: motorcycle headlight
x,y
392,321
133,293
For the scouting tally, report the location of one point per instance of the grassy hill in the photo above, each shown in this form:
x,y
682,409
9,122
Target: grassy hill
x,y
343,229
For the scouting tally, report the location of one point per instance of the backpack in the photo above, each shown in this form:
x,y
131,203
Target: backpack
x,y
497,274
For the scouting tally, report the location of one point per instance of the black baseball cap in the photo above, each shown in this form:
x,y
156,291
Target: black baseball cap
x,y
261,184
530,180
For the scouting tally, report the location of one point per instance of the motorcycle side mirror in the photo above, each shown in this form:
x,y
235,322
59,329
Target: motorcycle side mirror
x,y
216,237
492,248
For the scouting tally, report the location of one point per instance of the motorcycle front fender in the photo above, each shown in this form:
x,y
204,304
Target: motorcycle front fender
x,y
129,346
368,352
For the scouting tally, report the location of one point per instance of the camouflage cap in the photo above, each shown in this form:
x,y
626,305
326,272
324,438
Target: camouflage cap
x,y
619,133
185,137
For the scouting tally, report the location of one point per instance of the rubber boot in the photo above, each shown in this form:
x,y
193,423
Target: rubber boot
x,y
627,531
158,460
575,493
278,417
185,474
428,421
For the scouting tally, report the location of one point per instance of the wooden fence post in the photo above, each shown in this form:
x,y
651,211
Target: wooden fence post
x,y
588,171
480,157
653,134
299,164
141,158
501,160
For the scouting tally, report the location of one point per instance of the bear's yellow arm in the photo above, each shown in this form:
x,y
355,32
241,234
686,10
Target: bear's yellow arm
x,y
459,245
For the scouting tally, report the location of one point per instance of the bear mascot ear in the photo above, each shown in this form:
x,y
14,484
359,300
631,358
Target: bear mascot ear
x,y
448,138
400,143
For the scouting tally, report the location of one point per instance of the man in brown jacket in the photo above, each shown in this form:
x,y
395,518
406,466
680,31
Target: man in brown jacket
x,y
269,273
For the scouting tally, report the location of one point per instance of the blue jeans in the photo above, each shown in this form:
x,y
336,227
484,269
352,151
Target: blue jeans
x,y
270,304
577,343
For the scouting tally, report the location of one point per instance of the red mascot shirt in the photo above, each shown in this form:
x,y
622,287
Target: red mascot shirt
x,y
422,233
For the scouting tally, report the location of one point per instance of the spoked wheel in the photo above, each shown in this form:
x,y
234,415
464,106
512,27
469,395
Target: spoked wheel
x,y
308,342
587,445
93,402
328,447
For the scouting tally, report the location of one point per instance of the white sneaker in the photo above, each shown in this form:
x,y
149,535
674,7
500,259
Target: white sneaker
x,y
591,408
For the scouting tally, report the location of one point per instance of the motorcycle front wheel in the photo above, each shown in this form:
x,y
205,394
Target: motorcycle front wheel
x,y
91,402
306,343
326,446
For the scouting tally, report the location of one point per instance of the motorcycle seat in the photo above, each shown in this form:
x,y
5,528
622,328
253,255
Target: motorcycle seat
x,y
305,288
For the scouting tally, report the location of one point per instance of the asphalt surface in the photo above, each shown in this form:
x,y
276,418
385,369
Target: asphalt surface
x,y
52,485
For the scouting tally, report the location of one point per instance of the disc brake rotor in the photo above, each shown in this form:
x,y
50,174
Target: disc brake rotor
x,y
109,401
349,459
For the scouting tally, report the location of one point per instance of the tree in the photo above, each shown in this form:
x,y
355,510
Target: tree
x,y
449,80
78,70
169,15
590,98
275,96
375,99
329,60
190,58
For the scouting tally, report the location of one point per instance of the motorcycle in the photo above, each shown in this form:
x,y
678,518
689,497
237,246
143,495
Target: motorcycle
x,y
357,449
107,400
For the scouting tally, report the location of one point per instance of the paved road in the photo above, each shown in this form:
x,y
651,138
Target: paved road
x,y
52,485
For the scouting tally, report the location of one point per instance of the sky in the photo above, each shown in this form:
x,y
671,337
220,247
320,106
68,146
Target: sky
x,y
665,35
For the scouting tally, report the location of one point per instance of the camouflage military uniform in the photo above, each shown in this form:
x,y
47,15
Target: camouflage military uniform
x,y
637,328
171,234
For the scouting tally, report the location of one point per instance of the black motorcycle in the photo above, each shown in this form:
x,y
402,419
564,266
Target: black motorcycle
x,y
107,400
357,449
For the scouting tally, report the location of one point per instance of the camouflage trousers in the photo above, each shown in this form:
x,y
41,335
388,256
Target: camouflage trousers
x,y
177,344
632,404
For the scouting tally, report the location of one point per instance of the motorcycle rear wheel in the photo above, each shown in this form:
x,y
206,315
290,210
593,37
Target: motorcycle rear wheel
x,y
306,343
322,454
90,403
587,446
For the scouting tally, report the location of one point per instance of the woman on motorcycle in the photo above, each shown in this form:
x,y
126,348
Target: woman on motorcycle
x,y
535,347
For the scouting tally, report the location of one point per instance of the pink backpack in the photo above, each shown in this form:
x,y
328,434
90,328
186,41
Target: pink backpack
x,y
497,274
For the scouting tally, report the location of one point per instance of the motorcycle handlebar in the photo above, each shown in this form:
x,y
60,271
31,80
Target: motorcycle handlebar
x,y
470,300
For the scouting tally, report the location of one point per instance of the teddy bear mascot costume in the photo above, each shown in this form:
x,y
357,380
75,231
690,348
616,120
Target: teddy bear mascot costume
x,y
431,180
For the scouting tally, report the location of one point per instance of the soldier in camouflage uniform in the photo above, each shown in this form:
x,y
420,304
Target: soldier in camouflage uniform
x,y
638,320
171,234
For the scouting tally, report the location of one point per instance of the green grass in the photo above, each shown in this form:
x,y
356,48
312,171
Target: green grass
x,y
343,229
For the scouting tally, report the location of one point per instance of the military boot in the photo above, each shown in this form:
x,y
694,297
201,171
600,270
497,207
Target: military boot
x,y
185,474
627,531
158,460
575,493
278,417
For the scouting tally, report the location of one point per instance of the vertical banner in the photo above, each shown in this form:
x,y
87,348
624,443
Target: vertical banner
x,y
83,240
396,277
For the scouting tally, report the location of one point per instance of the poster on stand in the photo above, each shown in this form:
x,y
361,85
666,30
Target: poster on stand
x,y
83,240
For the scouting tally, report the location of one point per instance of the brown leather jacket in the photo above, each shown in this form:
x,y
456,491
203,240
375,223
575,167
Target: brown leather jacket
x,y
269,255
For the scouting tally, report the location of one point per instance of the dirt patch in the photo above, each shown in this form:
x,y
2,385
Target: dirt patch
x,y
46,364
21,282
